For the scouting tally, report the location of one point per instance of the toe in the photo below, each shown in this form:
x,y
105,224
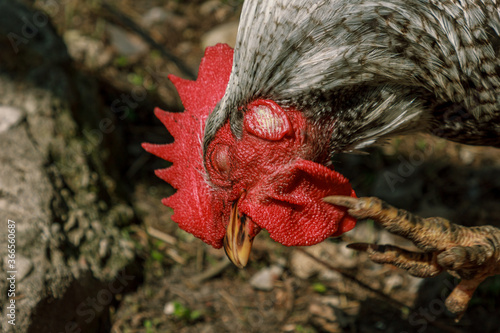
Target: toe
x,y
415,263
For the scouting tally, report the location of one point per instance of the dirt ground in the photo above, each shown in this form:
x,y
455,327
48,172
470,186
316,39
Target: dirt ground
x,y
189,286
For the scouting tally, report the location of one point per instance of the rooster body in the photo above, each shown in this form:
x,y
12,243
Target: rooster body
x,y
313,78
370,69
360,71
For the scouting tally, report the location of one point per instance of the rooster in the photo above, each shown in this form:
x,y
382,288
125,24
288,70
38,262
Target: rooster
x,y
310,79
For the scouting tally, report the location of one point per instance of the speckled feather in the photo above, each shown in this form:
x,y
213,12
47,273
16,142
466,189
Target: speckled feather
x,y
370,68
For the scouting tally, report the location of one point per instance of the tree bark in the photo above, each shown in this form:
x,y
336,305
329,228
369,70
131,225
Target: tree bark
x,y
58,187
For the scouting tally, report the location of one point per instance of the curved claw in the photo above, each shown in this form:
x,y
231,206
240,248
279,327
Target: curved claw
x,y
472,253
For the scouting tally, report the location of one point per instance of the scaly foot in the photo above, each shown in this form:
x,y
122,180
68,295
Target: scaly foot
x,y
469,253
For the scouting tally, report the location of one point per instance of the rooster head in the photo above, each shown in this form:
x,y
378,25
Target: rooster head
x,y
273,176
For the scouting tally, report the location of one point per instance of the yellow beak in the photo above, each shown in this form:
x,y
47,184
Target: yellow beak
x,y
237,242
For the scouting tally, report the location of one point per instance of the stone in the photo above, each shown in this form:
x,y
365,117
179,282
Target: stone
x,y
9,116
154,16
264,279
224,33
125,43
86,50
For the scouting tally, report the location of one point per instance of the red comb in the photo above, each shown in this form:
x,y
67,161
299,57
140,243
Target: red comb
x,y
191,202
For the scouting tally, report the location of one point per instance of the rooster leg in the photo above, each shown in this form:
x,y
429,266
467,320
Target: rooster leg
x,y
469,253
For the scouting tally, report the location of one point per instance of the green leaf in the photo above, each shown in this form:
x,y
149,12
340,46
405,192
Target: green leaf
x,y
121,61
319,288
157,255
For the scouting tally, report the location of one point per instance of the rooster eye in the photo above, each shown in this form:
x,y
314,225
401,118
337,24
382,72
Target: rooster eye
x,y
220,159
267,120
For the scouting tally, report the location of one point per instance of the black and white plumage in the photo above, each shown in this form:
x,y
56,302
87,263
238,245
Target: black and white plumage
x,y
375,68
